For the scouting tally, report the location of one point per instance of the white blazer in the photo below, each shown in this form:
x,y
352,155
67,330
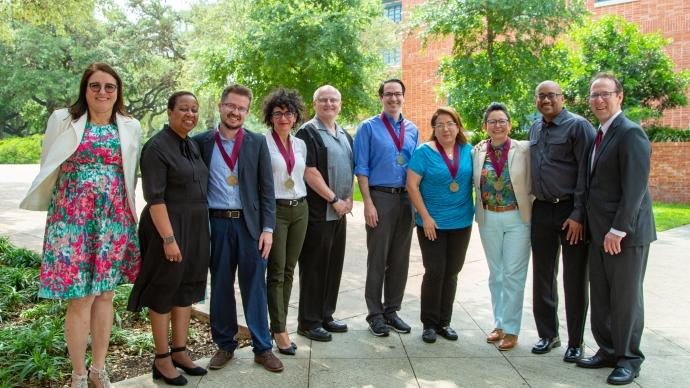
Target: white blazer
x,y
62,138
520,177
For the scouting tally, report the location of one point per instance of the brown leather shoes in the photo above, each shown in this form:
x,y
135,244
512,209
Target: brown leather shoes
x,y
495,336
270,362
220,359
508,342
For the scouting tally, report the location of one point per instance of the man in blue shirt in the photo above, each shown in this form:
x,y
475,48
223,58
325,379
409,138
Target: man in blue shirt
x,y
383,146
242,215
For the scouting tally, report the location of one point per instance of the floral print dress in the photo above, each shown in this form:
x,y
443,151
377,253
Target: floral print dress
x,y
90,243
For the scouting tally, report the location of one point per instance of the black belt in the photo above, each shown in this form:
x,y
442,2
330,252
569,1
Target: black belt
x,y
557,200
219,213
389,190
289,202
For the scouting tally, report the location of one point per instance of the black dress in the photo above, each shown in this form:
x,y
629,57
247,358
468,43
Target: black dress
x,y
173,174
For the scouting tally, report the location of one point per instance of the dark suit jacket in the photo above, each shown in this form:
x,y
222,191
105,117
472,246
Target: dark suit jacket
x,y
617,189
255,179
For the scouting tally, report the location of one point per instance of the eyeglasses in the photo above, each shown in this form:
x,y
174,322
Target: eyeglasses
x,y
323,100
278,115
449,125
603,95
390,94
497,122
232,107
550,96
96,87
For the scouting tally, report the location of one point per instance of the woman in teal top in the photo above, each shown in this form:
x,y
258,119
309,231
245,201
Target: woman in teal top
x,y
439,183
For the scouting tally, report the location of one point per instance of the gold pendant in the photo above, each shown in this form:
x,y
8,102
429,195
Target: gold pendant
x,y
454,186
289,183
498,185
400,159
232,180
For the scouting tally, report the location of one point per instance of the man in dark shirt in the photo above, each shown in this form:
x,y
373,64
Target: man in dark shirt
x,y
558,150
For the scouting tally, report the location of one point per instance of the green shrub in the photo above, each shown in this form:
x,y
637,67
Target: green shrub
x,y
12,256
666,134
21,150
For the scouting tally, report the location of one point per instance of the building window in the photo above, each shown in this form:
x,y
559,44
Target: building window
x,y
603,3
393,11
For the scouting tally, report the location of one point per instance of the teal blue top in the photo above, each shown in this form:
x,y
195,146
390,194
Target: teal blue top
x,y
450,210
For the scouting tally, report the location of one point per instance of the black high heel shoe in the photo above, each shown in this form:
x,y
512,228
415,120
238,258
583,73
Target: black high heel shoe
x,y
196,371
290,350
179,380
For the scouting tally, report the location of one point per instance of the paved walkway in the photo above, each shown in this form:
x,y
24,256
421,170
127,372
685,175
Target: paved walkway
x,y
357,359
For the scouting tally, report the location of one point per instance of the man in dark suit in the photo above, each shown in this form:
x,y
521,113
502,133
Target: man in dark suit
x,y
621,227
242,215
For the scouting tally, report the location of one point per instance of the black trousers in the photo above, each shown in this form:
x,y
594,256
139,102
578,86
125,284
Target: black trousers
x,y
617,303
548,238
320,269
443,259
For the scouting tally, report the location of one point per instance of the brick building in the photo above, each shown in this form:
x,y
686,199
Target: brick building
x,y
418,66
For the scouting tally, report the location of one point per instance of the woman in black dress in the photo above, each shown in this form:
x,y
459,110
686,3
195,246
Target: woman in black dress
x,y
174,237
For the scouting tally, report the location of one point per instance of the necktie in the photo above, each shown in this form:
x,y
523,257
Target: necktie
x,y
597,140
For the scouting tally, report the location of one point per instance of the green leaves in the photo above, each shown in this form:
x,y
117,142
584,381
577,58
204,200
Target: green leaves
x,y
647,73
501,50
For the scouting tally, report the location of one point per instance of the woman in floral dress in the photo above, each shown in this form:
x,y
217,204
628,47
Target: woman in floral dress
x,y
86,182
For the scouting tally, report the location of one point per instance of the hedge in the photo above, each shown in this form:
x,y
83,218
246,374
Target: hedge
x,y
21,150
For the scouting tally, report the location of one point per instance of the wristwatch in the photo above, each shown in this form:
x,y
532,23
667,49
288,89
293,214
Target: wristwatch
x,y
334,200
168,239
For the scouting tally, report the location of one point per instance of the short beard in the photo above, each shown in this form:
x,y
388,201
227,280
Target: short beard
x,y
229,127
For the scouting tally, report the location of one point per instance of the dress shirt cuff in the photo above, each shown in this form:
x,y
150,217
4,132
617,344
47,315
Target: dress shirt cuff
x,y
618,232
267,229
361,171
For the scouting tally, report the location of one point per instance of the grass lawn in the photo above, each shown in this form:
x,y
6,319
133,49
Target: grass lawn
x,y
670,215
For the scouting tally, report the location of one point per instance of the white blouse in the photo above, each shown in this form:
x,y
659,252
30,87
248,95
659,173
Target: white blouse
x,y
279,167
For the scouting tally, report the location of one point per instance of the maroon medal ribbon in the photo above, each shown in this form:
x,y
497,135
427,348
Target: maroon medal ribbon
x,y
496,163
397,140
452,166
231,159
288,154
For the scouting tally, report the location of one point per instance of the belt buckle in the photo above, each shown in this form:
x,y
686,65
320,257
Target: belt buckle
x,y
233,213
293,202
557,200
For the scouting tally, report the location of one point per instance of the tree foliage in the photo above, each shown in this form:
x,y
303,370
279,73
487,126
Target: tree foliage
x,y
501,50
42,68
638,60
303,44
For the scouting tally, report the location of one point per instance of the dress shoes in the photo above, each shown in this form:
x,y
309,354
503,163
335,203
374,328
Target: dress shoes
x,y
544,345
447,332
622,376
316,334
269,361
335,327
595,362
397,324
508,342
495,336
219,359
429,336
573,353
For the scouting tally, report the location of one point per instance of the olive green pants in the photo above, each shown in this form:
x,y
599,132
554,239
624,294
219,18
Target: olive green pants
x,y
288,236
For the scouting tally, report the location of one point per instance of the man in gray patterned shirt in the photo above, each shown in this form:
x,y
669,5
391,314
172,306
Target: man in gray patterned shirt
x,y
558,150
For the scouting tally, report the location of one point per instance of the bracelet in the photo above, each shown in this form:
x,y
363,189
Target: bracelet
x,y
167,240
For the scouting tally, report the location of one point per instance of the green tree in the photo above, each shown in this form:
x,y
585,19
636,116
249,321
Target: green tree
x,y
303,44
501,50
638,60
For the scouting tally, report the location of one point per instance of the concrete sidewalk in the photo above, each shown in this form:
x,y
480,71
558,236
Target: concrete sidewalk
x,y
357,358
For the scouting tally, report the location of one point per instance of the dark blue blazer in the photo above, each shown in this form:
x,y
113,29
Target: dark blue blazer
x,y
255,179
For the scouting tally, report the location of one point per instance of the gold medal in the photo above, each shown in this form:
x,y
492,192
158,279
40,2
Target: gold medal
x,y
400,159
454,186
289,183
498,185
232,180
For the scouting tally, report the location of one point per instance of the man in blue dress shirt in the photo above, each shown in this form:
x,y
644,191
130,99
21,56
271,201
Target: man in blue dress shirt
x,y
383,146
242,211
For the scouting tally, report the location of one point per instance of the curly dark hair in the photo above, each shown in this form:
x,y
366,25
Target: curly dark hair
x,y
283,98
